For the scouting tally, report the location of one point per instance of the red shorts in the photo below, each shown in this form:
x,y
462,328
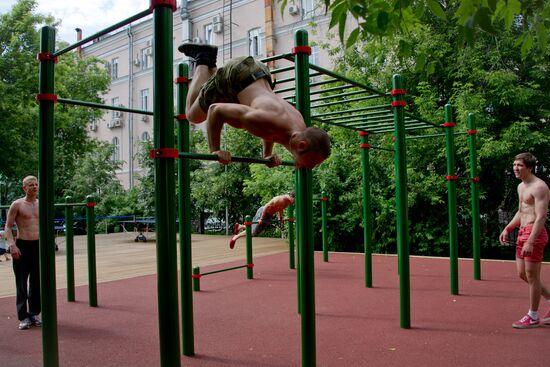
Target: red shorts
x,y
538,248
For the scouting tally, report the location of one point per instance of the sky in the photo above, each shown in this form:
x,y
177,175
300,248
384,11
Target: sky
x,y
90,16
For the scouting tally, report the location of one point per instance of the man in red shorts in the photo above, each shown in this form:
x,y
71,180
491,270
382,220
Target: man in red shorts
x,y
532,238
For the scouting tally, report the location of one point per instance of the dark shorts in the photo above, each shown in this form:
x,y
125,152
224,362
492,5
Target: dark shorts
x,y
259,228
538,248
230,80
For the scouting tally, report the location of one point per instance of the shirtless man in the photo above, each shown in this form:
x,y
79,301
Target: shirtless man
x,y
241,95
25,253
264,216
532,238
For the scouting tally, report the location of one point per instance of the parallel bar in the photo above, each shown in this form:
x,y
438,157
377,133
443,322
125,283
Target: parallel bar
x,y
362,109
249,261
64,205
451,204
456,133
184,211
305,215
474,188
401,194
224,269
103,106
104,31
213,157
163,132
345,101
69,249
276,57
367,218
90,240
46,174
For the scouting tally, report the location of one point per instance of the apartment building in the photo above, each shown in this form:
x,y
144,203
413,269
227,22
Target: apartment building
x,y
238,28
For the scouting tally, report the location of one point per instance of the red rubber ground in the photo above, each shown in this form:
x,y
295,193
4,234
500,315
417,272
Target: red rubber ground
x,y
240,322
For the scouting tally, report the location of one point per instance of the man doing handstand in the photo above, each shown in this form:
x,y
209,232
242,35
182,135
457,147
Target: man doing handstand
x,y
241,94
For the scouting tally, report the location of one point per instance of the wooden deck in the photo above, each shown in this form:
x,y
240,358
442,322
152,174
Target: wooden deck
x,y
119,257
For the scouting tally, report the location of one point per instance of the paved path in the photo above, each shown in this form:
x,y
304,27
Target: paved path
x,y
119,257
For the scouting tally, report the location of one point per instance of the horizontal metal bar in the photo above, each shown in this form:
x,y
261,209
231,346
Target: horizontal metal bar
x,y
332,89
222,270
69,204
369,108
346,101
282,70
214,157
276,57
104,31
434,135
103,106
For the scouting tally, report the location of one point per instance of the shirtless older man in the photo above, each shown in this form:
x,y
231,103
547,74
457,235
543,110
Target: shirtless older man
x,y
264,216
25,253
240,94
532,238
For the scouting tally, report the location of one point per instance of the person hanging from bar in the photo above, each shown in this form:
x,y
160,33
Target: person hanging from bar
x,y
241,95
264,217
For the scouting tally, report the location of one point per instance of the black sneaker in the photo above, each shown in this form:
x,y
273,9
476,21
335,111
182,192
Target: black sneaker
x,y
25,324
201,54
35,320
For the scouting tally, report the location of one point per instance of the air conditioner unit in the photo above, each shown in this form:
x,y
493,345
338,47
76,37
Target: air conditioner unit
x,y
217,19
149,51
114,123
217,28
136,62
294,9
118,114
145,118
92,127
197,40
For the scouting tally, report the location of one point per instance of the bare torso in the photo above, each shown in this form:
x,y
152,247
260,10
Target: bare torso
x,y
528,193
277,204
26,219
281,117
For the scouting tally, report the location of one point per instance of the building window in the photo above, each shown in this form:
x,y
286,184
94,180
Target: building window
x,y
309,8
116,150
144,95
254,42
114,102
209,34
145,136
143,58
114,68
314,57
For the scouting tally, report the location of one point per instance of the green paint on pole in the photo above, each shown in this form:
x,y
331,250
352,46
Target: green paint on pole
x,y
367,225
474,186
90,237
69,249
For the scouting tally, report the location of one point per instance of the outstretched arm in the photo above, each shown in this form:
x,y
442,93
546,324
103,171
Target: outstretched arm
x,y
8,234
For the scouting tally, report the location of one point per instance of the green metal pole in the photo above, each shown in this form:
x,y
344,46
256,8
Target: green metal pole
x,y
398,104
451,194
367,237
184,206
474,186
46,169
305,210
298,247
196,279
324,200
90,236
69,248
249,261
163,130
291,257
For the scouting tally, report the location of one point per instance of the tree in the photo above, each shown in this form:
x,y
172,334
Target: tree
x,y
380,19
75,78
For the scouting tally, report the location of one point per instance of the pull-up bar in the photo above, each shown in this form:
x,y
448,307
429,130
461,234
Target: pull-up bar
x,y
214,157
103,106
